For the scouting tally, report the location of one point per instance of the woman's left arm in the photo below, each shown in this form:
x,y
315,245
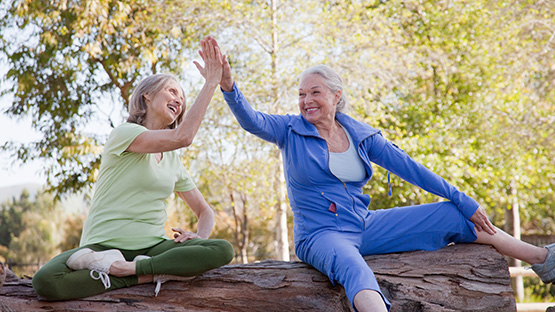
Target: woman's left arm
x,y
392,158
202,210
389,156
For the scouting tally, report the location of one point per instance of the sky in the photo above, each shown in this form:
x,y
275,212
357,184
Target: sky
x,y
19,131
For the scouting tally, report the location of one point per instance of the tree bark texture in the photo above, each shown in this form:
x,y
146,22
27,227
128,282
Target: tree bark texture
x,y
464,277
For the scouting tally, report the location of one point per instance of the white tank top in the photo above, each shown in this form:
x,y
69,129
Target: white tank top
x,y
347,166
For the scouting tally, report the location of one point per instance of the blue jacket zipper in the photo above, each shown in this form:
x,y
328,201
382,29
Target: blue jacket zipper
x,y
346,190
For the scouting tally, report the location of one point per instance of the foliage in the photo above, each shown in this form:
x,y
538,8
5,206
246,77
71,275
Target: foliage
x,y
69,57
11,217
28,231
536,291
72,228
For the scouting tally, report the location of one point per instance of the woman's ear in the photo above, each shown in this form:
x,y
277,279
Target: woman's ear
x,y
147,97
337,96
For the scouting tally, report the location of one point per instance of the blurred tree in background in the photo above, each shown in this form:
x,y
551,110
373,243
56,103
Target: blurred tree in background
x,y
29,231
73,62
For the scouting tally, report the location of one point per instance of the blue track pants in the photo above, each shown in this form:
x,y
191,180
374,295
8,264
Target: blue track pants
x,y
339,255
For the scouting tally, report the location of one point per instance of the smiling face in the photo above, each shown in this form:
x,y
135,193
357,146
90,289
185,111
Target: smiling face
x,y
317,102
164,107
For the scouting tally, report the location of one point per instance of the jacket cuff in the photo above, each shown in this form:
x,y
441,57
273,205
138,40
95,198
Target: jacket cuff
x,y
468,207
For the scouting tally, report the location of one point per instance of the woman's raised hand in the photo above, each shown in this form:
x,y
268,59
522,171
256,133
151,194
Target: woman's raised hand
x,y
213,61
227,79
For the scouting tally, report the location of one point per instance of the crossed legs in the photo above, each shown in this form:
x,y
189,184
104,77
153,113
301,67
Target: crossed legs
x,y
56,281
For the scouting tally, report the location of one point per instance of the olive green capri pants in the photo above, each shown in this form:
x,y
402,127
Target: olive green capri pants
x,y
55,281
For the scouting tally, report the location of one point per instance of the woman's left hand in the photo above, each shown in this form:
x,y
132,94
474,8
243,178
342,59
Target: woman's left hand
x,y
181,235
481,221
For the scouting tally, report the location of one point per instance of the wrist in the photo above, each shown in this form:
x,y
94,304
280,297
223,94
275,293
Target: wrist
x,y
227,86
211,83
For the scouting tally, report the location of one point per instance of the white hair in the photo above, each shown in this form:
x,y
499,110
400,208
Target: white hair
x,y
332,80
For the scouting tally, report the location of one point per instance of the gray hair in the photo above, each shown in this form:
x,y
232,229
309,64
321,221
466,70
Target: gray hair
x,y
150,85
332,80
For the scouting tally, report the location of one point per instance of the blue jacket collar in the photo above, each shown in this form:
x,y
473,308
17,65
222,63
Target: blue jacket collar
x,y
358,130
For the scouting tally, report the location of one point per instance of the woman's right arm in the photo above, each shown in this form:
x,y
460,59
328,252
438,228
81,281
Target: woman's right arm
x,y
155,141
271,128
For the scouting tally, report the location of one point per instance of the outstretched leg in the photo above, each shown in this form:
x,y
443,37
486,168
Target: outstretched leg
x,y
541,259
512,247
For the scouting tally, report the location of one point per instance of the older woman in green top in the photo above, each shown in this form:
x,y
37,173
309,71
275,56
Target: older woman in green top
x,y
123,241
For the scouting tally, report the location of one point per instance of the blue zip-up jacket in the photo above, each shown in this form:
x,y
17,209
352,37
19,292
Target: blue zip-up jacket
x,y
318,199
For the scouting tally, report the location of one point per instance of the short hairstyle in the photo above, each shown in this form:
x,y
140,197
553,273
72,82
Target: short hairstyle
x,y
150,85
332,80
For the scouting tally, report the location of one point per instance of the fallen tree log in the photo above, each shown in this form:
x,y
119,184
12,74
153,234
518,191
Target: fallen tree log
x,y
464,277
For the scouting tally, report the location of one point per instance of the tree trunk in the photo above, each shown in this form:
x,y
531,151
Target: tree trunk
x,y
464,277
518,282
282,237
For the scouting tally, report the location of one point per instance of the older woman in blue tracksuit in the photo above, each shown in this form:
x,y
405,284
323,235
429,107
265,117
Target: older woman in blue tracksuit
x,y
327,158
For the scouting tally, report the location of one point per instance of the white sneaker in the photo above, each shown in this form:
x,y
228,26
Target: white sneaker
x,y
96,261
159,279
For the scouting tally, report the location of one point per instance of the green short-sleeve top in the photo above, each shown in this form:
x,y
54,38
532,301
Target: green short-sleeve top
x,y
128,209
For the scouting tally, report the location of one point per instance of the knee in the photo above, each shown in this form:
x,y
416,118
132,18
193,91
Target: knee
x,y
224,252
45,285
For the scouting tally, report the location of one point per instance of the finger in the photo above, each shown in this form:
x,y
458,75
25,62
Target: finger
x,y
216,47
214,41
205,45
184,237
179,231
203,49
491,228
485,222
219,55
202,44
199,67
211,48
180,238
487,227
